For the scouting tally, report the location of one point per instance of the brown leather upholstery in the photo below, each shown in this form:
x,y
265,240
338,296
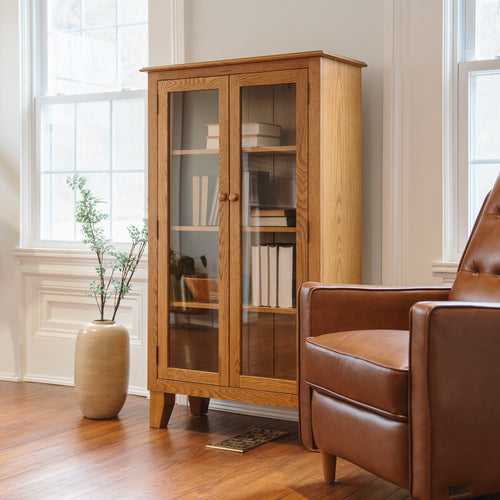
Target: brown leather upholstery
x,y
405,382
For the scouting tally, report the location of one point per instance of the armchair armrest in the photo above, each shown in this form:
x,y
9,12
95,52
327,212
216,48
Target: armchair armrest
x,y
454,395
326,308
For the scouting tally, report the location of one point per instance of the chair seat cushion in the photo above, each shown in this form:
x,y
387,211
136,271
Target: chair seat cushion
x,y
368,368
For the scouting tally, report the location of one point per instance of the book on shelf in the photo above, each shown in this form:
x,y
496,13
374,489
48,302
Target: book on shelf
x,y
214,211
273,275
201,214
285,276
247,141
196,200
272,212
286,221
264,275
255,270
249,128
204,200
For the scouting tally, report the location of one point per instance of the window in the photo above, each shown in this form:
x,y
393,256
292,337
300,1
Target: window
x,y
479,107
90,111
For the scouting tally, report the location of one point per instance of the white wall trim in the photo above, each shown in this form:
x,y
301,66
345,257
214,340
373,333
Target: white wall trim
x,y
255,410
10,377
177,32
447,271
395,144
451,191
26,70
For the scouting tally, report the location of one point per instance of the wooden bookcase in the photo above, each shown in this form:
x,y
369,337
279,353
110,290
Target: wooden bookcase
x,y
289,147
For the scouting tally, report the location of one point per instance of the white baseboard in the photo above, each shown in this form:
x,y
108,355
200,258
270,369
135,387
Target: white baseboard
x,y
134,390
138,391
31,377
10,377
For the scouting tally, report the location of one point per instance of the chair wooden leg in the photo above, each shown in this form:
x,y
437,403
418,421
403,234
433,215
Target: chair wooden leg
x,y
329,465
161,405
199,406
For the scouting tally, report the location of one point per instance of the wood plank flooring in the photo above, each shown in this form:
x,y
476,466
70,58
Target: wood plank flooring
x,y
48,451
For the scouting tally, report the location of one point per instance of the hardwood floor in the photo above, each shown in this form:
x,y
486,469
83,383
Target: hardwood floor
x,y
48,451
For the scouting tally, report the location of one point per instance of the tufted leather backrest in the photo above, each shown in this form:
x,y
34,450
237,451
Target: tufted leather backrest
x,y
478,277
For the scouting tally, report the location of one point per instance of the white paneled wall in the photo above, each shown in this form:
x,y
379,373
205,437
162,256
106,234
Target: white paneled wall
x,y
53,287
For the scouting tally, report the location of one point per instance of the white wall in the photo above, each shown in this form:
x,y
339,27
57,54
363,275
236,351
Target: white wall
x,y
400,40
10,126
222,29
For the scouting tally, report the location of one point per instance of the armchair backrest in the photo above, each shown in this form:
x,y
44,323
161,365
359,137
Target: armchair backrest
x,y
478,277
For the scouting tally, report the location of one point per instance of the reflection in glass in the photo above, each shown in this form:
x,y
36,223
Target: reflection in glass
x,y
194,233
269,205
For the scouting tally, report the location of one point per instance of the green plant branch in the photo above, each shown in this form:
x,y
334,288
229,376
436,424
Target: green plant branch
x,y
89,216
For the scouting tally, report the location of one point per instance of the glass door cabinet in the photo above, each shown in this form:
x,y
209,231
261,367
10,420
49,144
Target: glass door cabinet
x,y
242,206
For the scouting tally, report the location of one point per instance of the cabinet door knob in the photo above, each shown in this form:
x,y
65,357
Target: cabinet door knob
x,y
222,196
233,197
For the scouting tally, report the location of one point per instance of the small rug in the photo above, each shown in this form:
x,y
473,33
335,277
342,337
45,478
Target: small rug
x,y
247,441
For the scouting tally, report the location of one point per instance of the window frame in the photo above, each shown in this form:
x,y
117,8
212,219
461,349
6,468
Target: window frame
x,y
35,38
458,66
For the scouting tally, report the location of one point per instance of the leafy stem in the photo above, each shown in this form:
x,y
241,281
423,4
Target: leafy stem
x,y
118,263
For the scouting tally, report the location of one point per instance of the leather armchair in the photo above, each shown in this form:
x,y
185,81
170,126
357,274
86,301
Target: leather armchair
x,y
405,382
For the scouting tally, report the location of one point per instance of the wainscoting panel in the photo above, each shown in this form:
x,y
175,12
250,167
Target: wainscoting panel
x,y
55,305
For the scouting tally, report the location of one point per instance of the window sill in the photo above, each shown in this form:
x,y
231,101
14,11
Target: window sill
x,y
59,261
445,270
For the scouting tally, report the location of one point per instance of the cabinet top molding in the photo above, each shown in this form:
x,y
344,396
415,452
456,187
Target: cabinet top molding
x,y
259,59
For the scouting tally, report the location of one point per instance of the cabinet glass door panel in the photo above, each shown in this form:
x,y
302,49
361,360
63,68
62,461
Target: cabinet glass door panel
x,y
194,234
190,300
268,222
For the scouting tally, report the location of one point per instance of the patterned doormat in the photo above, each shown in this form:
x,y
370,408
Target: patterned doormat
x,y
247,441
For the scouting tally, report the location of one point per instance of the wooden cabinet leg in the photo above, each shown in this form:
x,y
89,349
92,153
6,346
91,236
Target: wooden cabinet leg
x,y
199,406
161,405
329,466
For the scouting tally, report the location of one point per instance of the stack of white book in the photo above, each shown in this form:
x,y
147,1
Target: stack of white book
x,y
272,275
253,135
278,217
203,213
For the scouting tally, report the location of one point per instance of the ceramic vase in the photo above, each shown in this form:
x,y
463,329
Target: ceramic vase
x,y
102,360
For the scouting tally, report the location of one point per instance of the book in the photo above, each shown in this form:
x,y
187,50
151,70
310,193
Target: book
x,y
287,221
272,212
264,275
255,271
204,200
249,128
255,141
273,276
247,141
196,200
285,276
215,205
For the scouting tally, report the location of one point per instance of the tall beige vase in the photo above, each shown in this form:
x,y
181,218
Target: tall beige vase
x,y
102,360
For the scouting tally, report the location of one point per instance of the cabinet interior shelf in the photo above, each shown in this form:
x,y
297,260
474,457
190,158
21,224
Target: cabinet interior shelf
x,y
269,229
194,228
259,150
214,305
246,229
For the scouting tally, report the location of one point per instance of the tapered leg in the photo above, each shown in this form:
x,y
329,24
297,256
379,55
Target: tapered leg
x,y
329,465
161,405
199,406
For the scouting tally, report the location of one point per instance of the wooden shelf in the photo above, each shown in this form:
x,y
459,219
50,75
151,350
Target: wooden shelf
x,y
288,150
194,305
269,229
181,152
273,310
194,228
215,305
